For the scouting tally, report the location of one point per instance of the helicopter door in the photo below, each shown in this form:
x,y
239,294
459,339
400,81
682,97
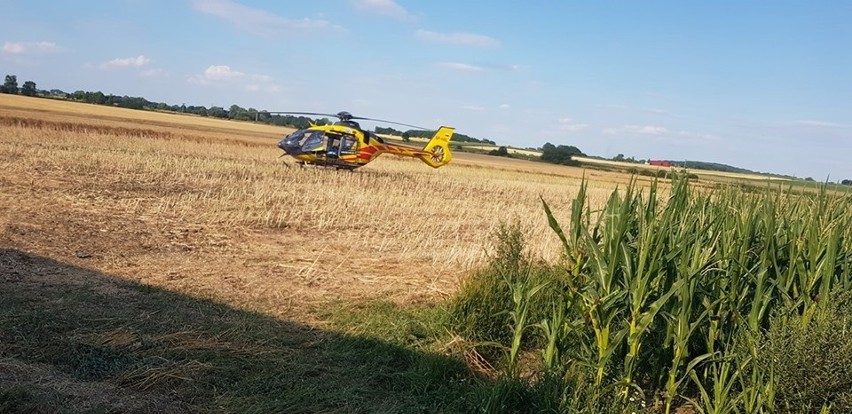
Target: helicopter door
x,y
332,149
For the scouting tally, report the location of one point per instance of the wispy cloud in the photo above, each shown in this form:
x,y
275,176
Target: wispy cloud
x,y
819,124
224,75
473,108
460,67
637,130
660,133
131,62
504,106
382,7
625,108
458,38
23,48
568,125
257,21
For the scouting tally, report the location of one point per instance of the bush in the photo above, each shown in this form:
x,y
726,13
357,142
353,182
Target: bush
x,y
812,360
481,310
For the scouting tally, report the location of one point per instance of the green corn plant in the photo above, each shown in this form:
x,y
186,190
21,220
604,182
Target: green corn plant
x,y
552,330
522,293
720,399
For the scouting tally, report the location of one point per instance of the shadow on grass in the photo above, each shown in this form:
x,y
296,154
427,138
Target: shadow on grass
x,y
74,340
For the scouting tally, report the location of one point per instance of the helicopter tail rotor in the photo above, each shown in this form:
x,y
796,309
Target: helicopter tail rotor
x,y
438,149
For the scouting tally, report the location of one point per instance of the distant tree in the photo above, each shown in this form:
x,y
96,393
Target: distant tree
x,y
388,131
29,89
95,97
619,157
810,179
406,137
217,112
237,112
846,182
11,85
561,154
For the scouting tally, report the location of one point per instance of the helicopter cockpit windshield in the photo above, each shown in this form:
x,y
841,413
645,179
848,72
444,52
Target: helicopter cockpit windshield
x,y
303,140
307,141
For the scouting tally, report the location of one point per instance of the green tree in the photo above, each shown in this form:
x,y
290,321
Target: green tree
x,y
29,89
95,97
11,85
217,112
559,154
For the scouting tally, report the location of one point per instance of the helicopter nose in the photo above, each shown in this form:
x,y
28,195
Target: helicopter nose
x,y
284,145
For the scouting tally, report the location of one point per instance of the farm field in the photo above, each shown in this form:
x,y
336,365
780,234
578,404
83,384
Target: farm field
x,y
151,262
206,207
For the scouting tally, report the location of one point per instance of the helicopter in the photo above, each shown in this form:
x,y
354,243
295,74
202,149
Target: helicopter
x,y
345,145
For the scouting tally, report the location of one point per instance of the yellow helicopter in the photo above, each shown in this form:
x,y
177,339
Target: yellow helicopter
x,y
344,145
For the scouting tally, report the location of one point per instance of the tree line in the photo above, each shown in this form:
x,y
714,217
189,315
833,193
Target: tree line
x,y
10,85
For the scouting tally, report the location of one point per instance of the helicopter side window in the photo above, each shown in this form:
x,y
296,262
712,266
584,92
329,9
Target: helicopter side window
x,y
347,144
314,142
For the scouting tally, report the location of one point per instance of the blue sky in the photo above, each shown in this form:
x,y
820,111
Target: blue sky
x,y
760,85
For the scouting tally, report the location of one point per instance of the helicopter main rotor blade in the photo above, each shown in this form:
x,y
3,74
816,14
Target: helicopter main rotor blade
x,y
389,122
347,116
300,113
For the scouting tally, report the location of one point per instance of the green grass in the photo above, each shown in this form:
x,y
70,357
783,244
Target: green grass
x,y
189,354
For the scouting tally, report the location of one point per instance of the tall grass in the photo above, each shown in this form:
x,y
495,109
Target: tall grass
x,y
669,296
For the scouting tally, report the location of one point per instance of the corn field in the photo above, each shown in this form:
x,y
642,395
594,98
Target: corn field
x,y
664,293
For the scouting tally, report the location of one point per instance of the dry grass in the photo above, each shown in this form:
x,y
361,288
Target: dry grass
x,y
207,208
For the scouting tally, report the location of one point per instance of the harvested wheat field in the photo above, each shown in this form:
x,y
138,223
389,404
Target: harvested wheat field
x,y
207,208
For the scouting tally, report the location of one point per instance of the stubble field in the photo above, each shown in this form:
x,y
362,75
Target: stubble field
x,y
207,208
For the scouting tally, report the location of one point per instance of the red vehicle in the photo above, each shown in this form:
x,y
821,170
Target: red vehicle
x,y
660,163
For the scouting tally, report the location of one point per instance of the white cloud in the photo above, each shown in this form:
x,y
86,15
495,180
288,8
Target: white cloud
x,y
224,75
637,129
219,73
460,67
131,62
661,133
473,108
21,48
383,7
504,106
257,21
625,108
458,38
568,125
820,124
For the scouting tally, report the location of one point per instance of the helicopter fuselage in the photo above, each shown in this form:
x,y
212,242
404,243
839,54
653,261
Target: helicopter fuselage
x,y
345,145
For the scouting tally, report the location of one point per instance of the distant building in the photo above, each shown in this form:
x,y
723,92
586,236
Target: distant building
x,y
660,163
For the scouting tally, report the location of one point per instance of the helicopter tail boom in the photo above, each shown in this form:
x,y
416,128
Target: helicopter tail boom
x,y
437,151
